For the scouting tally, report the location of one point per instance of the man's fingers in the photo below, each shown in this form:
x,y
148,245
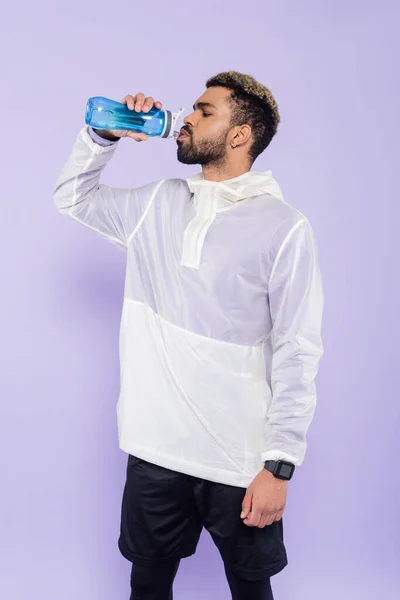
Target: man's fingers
x,y
129,100
253,519
148,104
139,101
138,137
265,519
263,522
246,505
269,519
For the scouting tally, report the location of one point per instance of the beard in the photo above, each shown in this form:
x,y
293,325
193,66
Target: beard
x,y
203,152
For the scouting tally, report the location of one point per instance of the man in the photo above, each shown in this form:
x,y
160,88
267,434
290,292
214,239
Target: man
x,y
220,339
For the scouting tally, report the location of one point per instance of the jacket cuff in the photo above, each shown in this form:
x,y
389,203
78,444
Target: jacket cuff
x,y
98,139
279,455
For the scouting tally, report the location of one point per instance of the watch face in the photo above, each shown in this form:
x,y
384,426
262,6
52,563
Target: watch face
x,y
285,470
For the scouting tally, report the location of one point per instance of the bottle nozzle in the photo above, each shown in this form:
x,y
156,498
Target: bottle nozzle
x,y
170,130
175,116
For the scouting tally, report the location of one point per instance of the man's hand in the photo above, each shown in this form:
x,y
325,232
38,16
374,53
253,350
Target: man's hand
x,y
137,103
264,501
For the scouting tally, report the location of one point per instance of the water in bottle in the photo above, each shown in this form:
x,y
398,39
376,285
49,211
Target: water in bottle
x,y
104,113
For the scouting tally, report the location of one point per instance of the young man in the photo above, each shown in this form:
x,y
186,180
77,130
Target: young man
x,y
220,339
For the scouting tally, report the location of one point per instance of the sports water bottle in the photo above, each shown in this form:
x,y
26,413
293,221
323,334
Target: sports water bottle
x,y
103,113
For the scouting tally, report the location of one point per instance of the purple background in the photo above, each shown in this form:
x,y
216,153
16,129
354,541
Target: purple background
x,y
333,67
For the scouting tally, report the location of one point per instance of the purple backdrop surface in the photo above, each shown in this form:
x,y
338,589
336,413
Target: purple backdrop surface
x,y
332,66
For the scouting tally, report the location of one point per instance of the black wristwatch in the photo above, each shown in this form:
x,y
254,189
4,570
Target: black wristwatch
x,y
282,469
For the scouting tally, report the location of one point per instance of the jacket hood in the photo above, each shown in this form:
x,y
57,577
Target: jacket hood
x,y
239,188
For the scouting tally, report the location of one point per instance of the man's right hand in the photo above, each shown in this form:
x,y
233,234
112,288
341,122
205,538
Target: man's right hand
x,y
138,103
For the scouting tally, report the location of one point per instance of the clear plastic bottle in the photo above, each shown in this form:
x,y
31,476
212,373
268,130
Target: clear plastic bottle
x,y
103,113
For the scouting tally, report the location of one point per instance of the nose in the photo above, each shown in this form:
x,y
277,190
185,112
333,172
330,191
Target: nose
x,y
189,119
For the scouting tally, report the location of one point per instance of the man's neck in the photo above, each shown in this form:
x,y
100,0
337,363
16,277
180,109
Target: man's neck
x,y
224,172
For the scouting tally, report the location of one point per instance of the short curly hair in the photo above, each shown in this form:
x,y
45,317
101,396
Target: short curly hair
x,y
253,104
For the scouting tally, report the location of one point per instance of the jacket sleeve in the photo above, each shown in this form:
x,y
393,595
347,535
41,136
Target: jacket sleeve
x,y
296,305
111,212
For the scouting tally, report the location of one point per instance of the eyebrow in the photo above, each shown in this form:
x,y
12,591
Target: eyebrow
x,y
204,105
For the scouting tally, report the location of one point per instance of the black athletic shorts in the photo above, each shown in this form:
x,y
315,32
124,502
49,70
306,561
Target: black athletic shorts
x,y
163,513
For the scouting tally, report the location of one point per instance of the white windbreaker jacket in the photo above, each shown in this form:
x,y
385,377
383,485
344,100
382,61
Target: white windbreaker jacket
x,y
220,336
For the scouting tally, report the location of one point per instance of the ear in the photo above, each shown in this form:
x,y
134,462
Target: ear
x,y
240,135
